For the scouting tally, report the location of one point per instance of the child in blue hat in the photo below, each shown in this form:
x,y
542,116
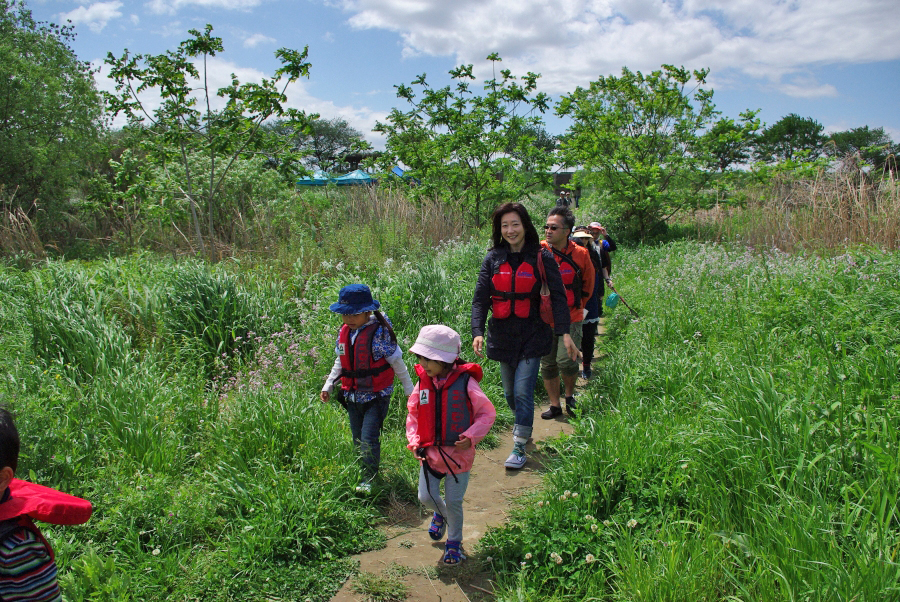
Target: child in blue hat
x,y
368,360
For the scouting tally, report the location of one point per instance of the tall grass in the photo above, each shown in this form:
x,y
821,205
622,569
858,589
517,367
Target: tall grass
x,y
831,210
740,441
182,400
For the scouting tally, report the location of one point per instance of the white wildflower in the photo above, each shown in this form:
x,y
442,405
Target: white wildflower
x,y
631,524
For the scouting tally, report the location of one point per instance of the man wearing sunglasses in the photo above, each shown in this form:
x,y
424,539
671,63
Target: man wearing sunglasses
x,y
578,275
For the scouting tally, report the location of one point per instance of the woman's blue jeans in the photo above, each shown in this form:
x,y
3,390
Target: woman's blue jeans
x,y
519,381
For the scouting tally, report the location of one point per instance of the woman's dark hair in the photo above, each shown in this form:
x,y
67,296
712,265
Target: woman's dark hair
x,y
532,240
384,323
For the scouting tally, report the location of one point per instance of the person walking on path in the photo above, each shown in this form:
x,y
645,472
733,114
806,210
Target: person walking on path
x,y
577,274
448,416
509,286
368,359
591,321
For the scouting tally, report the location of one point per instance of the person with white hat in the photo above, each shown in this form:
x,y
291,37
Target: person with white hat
x,y
448,416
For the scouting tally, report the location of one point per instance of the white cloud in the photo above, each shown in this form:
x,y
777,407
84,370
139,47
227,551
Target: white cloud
x,y
95,16
572,41
170,7
256,39
806,87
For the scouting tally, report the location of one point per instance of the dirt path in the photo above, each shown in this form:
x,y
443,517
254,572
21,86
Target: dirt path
x,y
491,489
412,557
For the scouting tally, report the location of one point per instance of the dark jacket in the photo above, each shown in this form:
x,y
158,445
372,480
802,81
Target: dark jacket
x,y
513,339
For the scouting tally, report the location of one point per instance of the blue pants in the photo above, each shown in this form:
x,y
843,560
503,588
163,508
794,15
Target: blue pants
x,y
366,420
518,388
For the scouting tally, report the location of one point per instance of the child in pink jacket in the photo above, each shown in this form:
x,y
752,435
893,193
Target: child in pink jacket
x,y
448,415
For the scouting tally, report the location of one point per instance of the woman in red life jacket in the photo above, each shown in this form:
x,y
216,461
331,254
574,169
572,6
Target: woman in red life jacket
x,y
509,286
27,566
368,359
448,415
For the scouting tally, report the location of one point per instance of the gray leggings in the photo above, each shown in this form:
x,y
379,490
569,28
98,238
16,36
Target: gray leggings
x,y
451,505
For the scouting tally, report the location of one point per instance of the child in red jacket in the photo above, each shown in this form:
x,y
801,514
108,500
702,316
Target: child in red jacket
x,y
27,567
448,415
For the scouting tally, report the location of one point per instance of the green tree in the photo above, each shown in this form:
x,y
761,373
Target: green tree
x,y
791,138
50,112
873,146
325,143
198,146
634,136
729,142
470,149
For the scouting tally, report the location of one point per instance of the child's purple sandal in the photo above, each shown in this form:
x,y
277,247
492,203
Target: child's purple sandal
x,y
452,553
438,527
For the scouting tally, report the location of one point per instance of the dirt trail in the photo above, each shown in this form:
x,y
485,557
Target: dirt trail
x,y
413,556
491,489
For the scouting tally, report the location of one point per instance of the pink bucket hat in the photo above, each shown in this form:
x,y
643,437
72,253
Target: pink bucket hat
x,y
595,225
437,342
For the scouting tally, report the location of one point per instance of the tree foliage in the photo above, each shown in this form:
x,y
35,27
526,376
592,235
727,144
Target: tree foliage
x,y
873,146
50,112
469,148
729,142
324,143
634,135
193,145
791,138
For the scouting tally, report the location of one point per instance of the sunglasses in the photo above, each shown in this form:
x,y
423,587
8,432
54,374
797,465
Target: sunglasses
x,y
551,227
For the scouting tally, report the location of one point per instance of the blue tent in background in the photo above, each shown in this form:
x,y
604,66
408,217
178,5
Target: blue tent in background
x,y
320,178
354,178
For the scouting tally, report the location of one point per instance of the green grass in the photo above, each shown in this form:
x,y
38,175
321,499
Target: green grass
x,y
182,400
739,441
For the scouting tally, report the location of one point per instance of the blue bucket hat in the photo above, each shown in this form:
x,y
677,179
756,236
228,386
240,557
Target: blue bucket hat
x,y
355,299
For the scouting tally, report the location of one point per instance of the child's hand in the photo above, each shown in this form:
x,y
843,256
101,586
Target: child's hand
x,y
463,443
324,396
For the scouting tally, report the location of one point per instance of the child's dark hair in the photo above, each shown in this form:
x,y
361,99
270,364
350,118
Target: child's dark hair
x,y
445,365
9,440
384,323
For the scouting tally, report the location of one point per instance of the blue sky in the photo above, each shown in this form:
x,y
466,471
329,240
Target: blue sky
x,y
837,61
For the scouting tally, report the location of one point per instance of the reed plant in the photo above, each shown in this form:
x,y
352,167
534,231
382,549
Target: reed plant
x,y
828,210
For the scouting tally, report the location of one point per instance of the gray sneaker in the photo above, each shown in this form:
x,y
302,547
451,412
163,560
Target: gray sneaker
x,y
516,459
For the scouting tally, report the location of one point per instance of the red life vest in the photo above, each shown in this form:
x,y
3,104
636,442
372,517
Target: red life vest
x,y
445,413
513,292
360,372
571,276
29,500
